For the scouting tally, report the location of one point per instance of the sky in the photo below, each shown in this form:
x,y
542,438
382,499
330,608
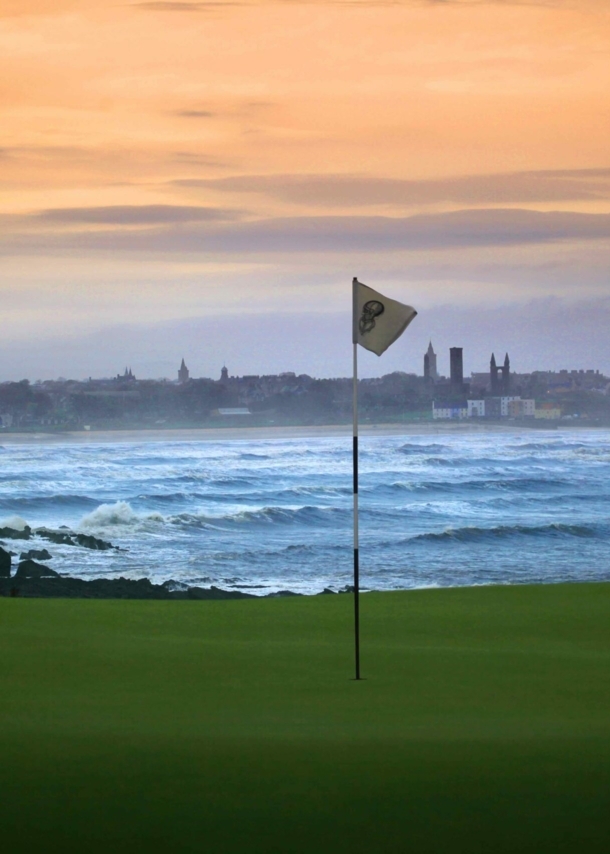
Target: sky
x,y
204,179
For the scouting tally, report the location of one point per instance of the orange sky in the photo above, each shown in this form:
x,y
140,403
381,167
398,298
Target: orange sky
x,y
155,156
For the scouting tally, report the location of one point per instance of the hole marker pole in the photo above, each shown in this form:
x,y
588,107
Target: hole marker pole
x,y
355,468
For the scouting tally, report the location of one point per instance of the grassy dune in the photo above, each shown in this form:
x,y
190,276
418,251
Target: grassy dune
x,y
483,724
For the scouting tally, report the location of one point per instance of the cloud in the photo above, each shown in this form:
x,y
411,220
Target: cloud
x,y
210,5
136,215
179,231
194,114
160,6
339,190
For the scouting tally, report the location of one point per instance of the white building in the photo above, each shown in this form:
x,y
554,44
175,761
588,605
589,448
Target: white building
x,y
447,413
504,404
502,407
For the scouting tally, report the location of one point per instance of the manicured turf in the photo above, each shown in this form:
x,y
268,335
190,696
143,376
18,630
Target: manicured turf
x,y
483,724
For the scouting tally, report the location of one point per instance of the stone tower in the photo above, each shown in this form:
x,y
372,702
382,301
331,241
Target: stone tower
x,y
494,382
183,372
430,372
456,363
499,377
506,375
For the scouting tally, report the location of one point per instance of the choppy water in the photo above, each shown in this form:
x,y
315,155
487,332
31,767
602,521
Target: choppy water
x,y
269,515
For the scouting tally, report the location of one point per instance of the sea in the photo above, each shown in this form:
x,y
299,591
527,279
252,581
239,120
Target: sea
x,y
275,514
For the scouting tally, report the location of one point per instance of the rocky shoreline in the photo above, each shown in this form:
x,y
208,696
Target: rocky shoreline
x,y
64,587
34,579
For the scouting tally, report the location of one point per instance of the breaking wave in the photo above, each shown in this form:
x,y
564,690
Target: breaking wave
x,y
412,448
15,522
118,515
475,534
308,515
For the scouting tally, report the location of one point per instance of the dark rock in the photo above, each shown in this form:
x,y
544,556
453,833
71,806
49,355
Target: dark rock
x,y
41,581
89,542
31,569
36,554
15,533
55,537
216,593
71,539
5,564
106,588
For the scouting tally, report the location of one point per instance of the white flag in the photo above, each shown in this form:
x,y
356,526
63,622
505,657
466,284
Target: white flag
x,y
377,320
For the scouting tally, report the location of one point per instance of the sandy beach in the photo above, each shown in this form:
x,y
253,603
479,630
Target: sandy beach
x,y
265,434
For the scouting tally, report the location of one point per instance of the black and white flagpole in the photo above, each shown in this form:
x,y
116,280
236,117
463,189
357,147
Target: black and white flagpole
x,y
355,468
377,322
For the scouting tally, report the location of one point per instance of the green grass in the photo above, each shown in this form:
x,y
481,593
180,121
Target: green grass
x,y
483,724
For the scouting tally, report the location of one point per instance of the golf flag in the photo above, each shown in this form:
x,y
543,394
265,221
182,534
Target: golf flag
x,y
378,321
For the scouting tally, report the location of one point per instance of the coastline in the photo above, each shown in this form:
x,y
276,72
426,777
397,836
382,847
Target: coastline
x,y
217,434
74,587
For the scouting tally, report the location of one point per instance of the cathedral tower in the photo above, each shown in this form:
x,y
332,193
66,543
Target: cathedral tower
x,y
493,375
430,372
506,375
183,373
456,364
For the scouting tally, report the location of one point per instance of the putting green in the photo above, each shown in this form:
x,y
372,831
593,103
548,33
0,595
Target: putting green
x,y
483,724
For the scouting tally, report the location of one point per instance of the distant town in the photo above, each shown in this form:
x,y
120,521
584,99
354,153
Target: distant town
x,y
126,402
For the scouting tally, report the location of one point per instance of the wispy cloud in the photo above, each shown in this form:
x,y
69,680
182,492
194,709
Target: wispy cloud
x,y
211,231
180,6
161,6
194,114
136,215
337,190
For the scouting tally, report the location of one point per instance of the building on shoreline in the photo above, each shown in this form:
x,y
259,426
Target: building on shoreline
x,y
502,407
183,372
430,370
456,365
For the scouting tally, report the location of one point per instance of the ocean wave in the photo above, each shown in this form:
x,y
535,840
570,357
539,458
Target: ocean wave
x,y
315,490
15,522
519,485
307,515
476,534
412,448
48,502
552,445
118,515
230,481
250,456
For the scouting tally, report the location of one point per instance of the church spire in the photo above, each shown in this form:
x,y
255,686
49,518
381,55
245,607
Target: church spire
x,y
430,371
183,372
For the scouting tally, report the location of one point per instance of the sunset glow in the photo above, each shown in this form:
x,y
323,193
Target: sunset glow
x,y
167,161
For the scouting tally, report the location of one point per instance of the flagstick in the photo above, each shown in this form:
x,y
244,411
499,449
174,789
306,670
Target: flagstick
x,y
370,308
356,556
